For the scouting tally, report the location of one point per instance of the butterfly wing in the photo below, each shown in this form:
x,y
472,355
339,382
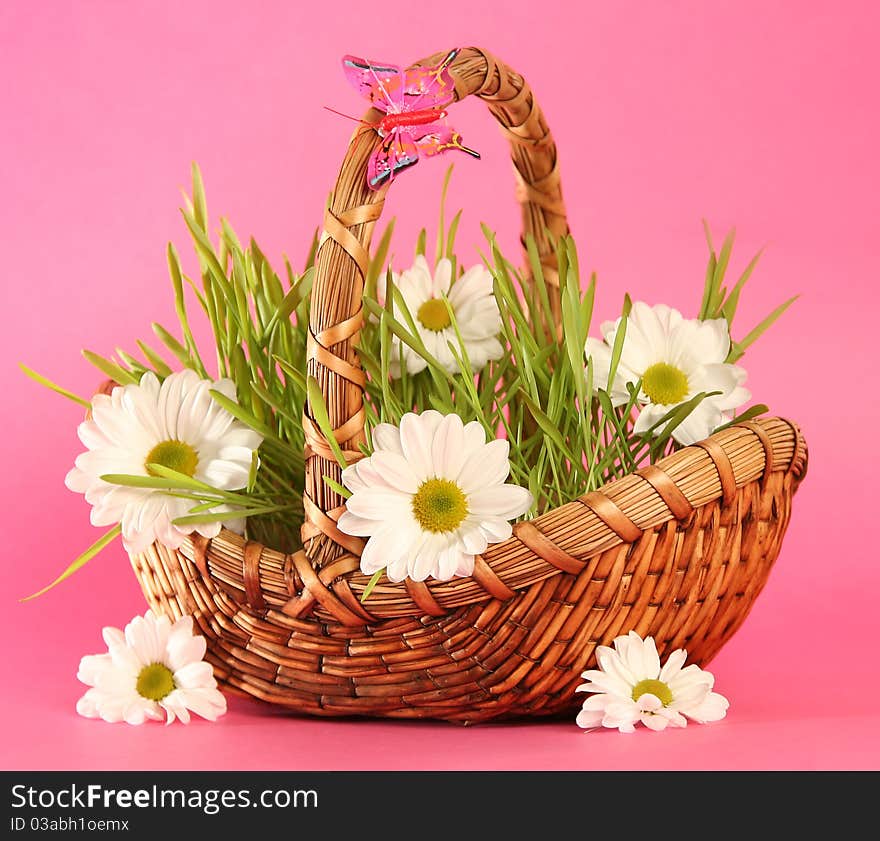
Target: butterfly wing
x,y
381,84
435,138
429,87
397,153
393,91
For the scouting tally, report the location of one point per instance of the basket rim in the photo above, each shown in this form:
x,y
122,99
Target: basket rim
x,y
557,542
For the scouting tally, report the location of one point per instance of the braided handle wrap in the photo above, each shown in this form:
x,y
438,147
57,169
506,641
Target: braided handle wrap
x,y
343,258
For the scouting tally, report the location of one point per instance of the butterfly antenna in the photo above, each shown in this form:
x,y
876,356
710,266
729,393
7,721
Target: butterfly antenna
x,y
456,142
449,57
347,116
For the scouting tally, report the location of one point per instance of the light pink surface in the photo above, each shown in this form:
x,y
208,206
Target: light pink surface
x,y
757,114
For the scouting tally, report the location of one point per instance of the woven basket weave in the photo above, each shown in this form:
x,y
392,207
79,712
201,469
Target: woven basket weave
x,y
679,550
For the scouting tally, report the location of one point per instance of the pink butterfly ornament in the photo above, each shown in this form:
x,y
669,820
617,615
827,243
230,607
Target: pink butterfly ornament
x,y
414,104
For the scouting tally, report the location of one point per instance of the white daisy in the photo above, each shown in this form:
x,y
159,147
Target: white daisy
x,y
471,299
153,670
430,498
630,686
176,424
675,358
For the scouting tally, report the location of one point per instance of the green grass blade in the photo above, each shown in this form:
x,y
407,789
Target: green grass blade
x,y
441,234
707,288
160,366
344,492
204,247
180,308
717,297
133,365
115,372
421,242
539,284
728,309
747,415
291,301
377,262
247,418
371,584
450,237
43,381
322,418
199,202
223,516
739,348
105,540
617,350
707,231
294,376
252,471
172,344
548,427
313,250
174,481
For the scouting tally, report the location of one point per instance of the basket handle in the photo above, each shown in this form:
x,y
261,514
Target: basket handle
x,y
343,257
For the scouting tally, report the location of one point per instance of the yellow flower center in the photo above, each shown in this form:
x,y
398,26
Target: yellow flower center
x,y
657,688
439,505
155,681
175,455
433,315
665,384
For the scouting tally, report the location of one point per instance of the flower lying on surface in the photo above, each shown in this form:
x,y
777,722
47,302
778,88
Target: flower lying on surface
x,y
154,670
630,686
472,301
676,359
176,424
430,498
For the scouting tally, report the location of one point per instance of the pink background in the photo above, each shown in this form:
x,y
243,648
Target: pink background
x,y
757,114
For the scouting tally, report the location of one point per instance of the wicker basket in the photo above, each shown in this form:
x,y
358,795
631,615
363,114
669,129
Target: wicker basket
x,y
679,550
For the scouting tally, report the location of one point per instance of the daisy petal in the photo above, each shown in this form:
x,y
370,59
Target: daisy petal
x,y
713,708
175,422
395,471
407,540
386,437
135,663
379,504
489,467
673,665
417,438
654,722
507,501
588,719
447,452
